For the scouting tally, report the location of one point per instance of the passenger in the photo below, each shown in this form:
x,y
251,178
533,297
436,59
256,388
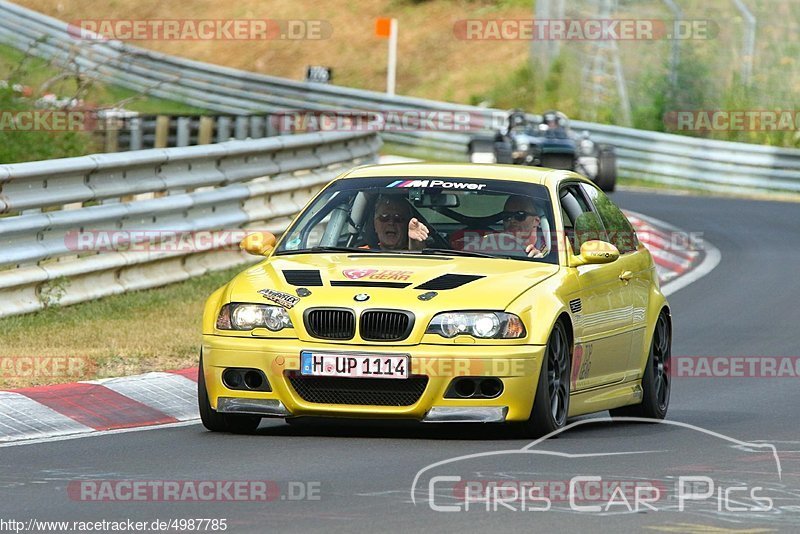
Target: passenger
x,y
521,219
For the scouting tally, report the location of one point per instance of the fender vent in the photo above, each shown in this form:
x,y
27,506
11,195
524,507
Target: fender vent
x,y
303,278
575,305
448,281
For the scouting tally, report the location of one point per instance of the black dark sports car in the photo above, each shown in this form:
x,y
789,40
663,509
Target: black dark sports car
x,y
546,141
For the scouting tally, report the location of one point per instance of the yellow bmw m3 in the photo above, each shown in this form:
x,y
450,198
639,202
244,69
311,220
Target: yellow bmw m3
x,y
441,293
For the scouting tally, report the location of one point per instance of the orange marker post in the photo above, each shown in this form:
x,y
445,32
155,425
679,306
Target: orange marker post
x,y
387,28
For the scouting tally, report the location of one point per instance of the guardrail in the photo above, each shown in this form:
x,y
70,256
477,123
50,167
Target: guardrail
x,y
136,207
665,158
139,132
707,164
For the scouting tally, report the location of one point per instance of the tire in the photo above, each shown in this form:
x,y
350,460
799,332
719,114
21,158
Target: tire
x,y
606,169
551,403
656,382
217,422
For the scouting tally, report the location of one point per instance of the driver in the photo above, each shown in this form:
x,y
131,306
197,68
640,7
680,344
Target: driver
x,y
521,219
516,120
395,227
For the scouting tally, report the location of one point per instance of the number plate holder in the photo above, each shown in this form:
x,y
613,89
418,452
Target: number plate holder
x,y
355,365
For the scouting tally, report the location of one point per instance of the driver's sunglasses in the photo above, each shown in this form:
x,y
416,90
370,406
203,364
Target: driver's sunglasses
x,y
396,217
518,215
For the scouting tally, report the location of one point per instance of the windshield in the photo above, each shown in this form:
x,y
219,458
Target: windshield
x,y
472,217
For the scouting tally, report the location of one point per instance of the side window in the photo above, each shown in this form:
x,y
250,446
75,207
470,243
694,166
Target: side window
x,y
581,223
620,232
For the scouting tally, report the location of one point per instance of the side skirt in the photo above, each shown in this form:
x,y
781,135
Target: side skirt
x,y
606,398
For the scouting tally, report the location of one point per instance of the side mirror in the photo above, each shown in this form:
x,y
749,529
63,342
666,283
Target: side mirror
x,y
595,252
258,243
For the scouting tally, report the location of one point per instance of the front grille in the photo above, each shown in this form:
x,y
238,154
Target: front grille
x,y
330,323
386,325
359,391
448,281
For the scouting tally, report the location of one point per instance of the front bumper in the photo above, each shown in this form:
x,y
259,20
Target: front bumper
x,y
517,366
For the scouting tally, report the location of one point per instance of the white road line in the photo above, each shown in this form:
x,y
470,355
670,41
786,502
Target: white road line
x,y
93,434
711,259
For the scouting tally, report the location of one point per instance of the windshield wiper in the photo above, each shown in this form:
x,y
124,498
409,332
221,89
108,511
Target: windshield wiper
x,y
450,252
327,249
337,249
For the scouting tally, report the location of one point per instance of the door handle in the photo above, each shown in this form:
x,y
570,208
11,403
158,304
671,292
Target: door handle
x,y
625,276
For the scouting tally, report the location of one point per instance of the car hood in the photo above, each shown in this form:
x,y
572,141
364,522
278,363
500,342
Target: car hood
x,y
393,281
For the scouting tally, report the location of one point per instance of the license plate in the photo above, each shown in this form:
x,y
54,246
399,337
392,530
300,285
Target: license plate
x,y
353,365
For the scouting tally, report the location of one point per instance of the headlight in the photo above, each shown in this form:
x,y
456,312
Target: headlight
x,y
250,316
485,325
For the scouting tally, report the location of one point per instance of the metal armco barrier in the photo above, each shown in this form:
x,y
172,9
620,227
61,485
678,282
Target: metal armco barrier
x,y
665,158
139,132
708,164
55,214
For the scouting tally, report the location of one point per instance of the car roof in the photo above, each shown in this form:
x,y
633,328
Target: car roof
x,y
484,171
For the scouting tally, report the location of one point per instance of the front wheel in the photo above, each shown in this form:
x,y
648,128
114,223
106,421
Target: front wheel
x,y
220,422
656,382
551,403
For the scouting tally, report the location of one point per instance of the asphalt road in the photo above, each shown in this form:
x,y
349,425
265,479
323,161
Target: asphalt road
x,y
361,476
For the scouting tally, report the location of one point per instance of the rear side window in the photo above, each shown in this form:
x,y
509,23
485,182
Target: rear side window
x,y
620,232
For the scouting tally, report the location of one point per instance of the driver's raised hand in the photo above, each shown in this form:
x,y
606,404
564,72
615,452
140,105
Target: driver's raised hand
x,y
416,230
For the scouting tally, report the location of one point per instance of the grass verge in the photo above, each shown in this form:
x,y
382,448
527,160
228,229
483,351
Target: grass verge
x,y
137,332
